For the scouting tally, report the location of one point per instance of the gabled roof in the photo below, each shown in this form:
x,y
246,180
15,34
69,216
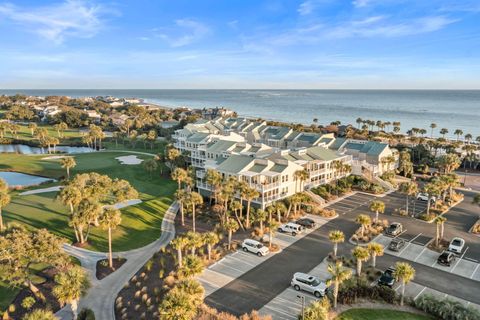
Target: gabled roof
x,y
198,137
235,163
220,146
374,148
337,143
321,153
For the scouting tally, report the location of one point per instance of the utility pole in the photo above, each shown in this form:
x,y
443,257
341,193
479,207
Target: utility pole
x,y
302,298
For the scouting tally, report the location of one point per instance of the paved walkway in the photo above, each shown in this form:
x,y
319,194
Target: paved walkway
x,y
102,294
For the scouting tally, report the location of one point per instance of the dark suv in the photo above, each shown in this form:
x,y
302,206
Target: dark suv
x,y
306,223
387,278
446,258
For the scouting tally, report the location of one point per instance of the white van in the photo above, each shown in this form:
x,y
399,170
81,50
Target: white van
x,y
309,283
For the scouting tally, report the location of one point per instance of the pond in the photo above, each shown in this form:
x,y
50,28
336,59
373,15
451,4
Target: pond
x,y
24,149
17,179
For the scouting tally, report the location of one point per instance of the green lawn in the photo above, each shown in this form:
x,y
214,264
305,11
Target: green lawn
x,y
26,134
379,314
140,223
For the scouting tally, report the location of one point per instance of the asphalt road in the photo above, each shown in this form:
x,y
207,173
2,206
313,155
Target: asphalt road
x,y
257,287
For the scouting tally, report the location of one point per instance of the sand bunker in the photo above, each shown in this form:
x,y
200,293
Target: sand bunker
x,y
129,160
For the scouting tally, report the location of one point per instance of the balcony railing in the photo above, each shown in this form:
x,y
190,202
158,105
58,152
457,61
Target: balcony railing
x,y
266,186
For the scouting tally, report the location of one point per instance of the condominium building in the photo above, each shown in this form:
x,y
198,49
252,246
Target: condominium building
x,y
267,157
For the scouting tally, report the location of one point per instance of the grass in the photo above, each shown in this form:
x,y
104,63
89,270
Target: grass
x,y
141,224
379,314
25,133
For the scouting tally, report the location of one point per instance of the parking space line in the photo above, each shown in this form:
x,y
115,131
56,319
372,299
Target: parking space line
x,y
409,243
474,271
434,263
456,264
419,293
425,248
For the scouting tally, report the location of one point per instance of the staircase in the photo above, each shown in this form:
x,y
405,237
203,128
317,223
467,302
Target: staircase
x,y
316,198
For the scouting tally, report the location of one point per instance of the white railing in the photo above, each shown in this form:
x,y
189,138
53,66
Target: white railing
x,y
267,186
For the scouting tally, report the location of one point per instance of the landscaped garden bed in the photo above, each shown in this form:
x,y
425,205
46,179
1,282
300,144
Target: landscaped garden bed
x,y
103,269
476,228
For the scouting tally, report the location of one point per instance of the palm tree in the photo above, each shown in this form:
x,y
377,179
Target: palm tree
x,y
191,266
195,240
364,221
408,189
39,314
235,207
443,132
214,179
150,166
194,199
336,237
179,175
250,194
431,189
339,275
361,254
182,197
231,226
279,208
440,225
210,239
71,196
377,206
177,304
405,273
376,250
68,163
110,220
302,176
432,126
272,229
179,243
458,133
70,286
261,217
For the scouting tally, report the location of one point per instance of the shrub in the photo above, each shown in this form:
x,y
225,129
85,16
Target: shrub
x,y
86,314
476,228
446,308
318,310
427,217
357,288
28,302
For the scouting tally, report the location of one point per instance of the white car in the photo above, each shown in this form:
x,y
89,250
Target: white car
x,y
456,245
424,197
291,228
309,283
249,245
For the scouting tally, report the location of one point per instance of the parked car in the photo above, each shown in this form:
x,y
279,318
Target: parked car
x,y
424,197
309,283
456,245
306,223
396,244
291,228
394,229
387,278
249,245
446,258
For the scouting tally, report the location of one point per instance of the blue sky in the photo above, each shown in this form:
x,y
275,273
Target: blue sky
x,y
240,44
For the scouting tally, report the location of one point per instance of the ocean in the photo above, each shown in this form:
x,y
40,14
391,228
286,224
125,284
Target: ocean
x,y
451,109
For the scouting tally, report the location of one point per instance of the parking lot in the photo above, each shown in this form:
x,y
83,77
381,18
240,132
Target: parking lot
x,y
234,265
419,253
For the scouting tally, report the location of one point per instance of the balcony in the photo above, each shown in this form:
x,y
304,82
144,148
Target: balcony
x,y
314,173
262,187
200,174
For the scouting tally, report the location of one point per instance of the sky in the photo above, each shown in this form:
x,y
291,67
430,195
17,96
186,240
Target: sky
x,y
240,44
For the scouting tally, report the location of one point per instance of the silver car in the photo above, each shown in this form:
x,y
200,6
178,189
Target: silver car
x,y
309,283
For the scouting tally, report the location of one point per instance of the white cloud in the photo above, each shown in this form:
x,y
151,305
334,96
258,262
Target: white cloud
x,y
360,3
306,7
187,31
374,27
72,18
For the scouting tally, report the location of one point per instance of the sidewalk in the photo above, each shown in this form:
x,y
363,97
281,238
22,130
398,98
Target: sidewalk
x,y
102,294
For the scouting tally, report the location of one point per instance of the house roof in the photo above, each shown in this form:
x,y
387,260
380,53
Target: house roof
x,y
374,148
220,146
235,163
337,143
198,137
322,153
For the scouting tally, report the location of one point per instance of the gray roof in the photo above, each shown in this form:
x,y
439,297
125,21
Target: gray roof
x,y
337,143
220,146
198,137
235,163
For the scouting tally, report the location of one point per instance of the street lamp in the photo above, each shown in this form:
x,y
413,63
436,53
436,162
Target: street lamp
x,y
465,179
302,298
